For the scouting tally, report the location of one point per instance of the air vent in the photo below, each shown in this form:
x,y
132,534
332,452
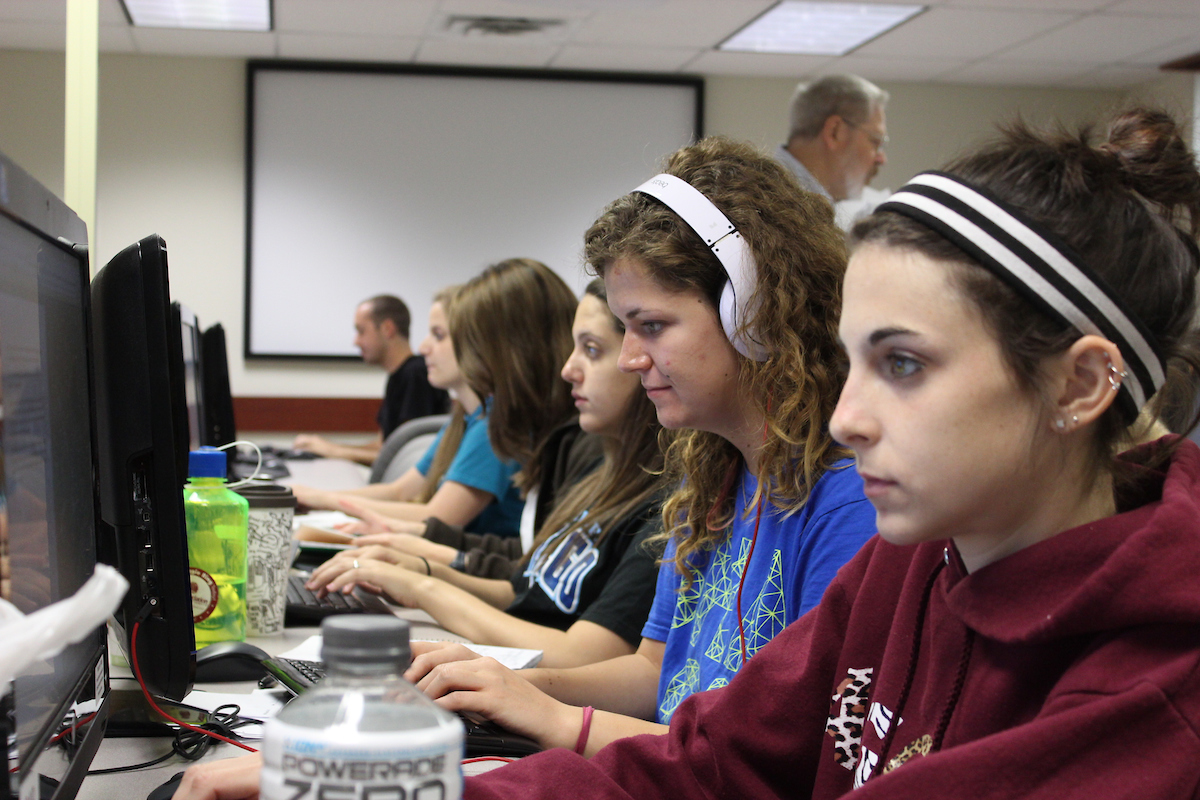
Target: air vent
x,y
508,27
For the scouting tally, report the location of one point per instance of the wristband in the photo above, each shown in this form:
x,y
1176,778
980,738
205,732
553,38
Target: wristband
x,y
428,569
584,730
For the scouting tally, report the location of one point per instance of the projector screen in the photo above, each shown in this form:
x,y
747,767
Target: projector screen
x,y
368,181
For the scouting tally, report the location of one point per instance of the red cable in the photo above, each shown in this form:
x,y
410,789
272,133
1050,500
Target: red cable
x,y
65,731
750,554
742,580
138,673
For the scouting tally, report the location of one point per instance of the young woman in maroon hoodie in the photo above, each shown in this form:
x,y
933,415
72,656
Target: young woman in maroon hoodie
x,y
1027,623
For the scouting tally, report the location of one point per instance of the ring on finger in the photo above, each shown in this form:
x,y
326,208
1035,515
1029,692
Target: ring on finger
x,y
356,563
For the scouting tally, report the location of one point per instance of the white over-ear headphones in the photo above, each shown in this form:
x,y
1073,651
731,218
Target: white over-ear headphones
x,y
726,244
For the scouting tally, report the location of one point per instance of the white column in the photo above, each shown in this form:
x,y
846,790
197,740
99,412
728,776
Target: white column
x,y
79,150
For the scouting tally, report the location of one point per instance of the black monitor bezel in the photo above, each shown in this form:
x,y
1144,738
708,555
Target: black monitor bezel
x,y
189,326
220,425
143,442
32,206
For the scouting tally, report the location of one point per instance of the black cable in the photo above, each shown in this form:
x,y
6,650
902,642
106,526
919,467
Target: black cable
x,y
132,767
192,745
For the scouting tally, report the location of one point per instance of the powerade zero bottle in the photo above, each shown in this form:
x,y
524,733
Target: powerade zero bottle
x,y
363,733
217,525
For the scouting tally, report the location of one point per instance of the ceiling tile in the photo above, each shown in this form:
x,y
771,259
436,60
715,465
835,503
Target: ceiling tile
x,y
1181,8
678,23
716,62
33,36
1114,77
111,13
1162,55
1078,6
634,59
26,11
484,54
1102,38
516,8
893,69
348,48
362,17
1015,73
117,39
962,33
1033,42
174,42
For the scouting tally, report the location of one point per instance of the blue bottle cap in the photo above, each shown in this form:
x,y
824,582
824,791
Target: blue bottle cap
x,y
207,462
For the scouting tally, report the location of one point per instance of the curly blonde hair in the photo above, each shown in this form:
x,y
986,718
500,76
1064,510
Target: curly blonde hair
x,y
801,259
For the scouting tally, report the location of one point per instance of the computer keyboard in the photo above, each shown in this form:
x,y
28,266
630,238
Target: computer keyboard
x,y
271,468
304,607
483,738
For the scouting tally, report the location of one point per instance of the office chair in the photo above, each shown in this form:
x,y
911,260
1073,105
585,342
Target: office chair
x,y
404,447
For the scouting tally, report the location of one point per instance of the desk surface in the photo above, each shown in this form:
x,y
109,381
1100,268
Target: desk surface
x,y
334,474
124,751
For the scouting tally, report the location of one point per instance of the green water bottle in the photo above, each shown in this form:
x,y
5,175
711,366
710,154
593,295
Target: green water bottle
x,y
217,523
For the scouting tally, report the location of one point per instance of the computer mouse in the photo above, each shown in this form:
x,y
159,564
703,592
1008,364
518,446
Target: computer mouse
x,y
230,661
167,790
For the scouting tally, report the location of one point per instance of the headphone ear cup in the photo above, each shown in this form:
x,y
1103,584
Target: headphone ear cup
x,y
728,312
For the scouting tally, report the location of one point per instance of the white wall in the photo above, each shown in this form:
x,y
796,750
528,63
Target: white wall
x,y
171,161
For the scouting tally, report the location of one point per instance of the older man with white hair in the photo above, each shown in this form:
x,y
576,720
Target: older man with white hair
x,y
836,136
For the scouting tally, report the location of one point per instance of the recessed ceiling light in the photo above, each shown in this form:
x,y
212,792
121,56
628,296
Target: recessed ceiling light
x,y
830,29
221,15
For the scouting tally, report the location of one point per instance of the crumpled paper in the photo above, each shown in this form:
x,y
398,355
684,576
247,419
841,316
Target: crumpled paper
x,y
44,633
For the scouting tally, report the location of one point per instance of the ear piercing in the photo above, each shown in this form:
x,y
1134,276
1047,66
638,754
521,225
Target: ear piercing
x,y
1115,377
1061,424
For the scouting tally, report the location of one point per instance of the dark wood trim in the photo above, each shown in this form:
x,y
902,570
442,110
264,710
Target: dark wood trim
x,y
1186,64
307,414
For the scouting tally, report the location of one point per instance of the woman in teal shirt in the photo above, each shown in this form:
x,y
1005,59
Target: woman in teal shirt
x,y
511,333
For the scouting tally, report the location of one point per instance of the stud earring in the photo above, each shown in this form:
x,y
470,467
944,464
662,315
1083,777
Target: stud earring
x,y
1060,423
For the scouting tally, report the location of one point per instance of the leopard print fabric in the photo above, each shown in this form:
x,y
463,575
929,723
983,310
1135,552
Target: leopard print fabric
x,y
847,713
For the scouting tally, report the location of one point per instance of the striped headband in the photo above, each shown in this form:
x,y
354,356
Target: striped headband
x,y
1040,266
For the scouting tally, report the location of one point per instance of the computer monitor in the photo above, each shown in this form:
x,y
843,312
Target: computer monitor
x,y
192,377
142,435
220,428
48,503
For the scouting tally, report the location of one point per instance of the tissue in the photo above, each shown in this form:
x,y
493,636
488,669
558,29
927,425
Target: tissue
x,y
44,633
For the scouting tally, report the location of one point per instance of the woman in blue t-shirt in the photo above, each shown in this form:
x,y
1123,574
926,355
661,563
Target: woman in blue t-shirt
x,y
496,343
734,337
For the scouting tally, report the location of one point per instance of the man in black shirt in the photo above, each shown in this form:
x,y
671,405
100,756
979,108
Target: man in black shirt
x,y
382,328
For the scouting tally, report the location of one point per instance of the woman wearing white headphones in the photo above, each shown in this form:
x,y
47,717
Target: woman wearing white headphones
x,y
726,275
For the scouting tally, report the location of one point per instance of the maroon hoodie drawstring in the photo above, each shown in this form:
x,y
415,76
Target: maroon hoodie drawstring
x,y
964,662
912,671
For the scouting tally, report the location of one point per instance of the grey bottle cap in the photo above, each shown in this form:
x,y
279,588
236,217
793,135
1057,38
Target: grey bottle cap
x,y
365,640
